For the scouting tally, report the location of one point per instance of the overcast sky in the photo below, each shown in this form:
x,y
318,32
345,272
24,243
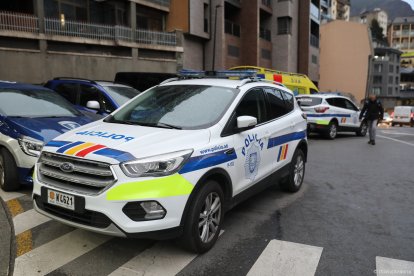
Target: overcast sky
x,y
411,2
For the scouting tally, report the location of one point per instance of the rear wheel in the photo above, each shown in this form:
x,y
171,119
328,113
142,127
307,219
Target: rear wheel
x,y
9,180
332,131
363,129
293,182
203,224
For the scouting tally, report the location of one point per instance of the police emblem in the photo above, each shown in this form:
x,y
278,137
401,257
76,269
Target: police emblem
x,y
251,165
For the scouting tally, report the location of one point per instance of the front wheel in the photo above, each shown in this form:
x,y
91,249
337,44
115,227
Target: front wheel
x,y
9,180
203,223
293,182
332,130
363,129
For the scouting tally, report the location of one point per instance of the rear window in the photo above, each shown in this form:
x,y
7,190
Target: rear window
x,y
308,101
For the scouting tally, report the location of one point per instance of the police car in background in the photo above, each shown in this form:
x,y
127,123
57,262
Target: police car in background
x,y
29,117
330,113
174,159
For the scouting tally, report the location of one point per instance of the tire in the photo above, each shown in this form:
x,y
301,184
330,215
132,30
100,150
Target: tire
x,y
9,178
332,131
363,129
293,182
392,124
195,237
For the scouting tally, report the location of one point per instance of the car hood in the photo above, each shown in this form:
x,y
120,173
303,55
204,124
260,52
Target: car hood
x,y
119,142
45,129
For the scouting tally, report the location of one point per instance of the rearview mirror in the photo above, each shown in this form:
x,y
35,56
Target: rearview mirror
x,y
93,105
246,122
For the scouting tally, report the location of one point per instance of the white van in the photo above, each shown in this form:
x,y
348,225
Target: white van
x,y
403,115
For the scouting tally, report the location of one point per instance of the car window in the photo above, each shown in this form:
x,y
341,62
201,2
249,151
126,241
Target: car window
x,y
121,94
277,105
289,101
309,101
69,91
350,105
338,102
183,106
253,104
89,93
34,104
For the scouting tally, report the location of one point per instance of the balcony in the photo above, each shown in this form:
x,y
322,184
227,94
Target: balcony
x,y
265,34
314,13
314,41
163,5
74,29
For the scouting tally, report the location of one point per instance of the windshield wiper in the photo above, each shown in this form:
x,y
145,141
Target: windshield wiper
x,y
168,126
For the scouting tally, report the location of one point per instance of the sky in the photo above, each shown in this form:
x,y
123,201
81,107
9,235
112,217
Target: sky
x,y
411,2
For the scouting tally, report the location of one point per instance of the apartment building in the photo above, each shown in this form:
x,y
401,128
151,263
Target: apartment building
x,y
378,14
42,39
335,10
401,34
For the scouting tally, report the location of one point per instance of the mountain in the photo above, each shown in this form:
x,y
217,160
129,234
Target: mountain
x,y
394,8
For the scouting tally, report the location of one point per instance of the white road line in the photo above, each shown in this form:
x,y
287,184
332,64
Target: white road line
x,y
28,220
396,140
164,258
287,258
393,267
397,133
54,254
6,196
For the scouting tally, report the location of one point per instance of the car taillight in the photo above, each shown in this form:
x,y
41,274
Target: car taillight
x,y
412,115
321,109
392,115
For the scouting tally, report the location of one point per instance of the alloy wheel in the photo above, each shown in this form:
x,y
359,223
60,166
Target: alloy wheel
x,y
299,171
210,216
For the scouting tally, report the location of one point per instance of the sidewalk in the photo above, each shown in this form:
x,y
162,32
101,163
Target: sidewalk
x,y
6,232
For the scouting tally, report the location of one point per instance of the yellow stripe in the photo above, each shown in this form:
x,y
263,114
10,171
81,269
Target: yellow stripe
x,y
14,207
24,243
283,152
74,150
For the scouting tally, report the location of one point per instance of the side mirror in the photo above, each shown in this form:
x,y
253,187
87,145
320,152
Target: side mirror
x,y
246,122
93,105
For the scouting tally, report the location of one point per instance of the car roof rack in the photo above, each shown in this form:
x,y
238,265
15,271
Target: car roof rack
x,y
72,78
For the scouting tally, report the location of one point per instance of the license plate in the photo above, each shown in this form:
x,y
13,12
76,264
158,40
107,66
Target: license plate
x,y
61,199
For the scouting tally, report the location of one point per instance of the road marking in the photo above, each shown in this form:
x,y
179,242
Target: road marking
x,y
391,267
24,243
54,254
396,140
397,133
28,220
287,258
164,258
14,207
6,196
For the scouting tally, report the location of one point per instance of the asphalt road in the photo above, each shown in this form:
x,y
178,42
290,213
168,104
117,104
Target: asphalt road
x,y
354,215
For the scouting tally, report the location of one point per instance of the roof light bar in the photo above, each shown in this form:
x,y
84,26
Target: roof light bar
x,y
217,74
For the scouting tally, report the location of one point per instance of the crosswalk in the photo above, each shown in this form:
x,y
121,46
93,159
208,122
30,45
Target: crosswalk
x,y
80,252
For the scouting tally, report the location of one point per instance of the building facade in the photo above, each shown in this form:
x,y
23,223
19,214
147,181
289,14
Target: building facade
x,y
401,34
380,15
346,51
42,39
335,10
282,35
385,80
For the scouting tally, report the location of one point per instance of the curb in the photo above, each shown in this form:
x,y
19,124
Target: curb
x,y
7,230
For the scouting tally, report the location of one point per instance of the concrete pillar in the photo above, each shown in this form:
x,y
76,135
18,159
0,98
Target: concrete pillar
x,y
133,25
40,12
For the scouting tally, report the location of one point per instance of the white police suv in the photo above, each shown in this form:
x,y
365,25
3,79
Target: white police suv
x,y
174,159
330,113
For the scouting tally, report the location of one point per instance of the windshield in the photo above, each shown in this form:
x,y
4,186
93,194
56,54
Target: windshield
x,y
121,94
35,103
308,101
177,106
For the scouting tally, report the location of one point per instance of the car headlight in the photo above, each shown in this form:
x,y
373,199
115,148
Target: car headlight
x,y
159,165
30,146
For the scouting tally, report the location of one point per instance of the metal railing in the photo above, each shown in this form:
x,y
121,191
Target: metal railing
x,y
19,22
152,37
314,41
161,2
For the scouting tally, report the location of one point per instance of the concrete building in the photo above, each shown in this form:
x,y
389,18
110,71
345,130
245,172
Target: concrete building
x,y
335,10
42,39
345,53
401,34
385,79
406,96
282,35
380,15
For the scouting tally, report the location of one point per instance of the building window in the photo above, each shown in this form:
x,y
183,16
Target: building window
x,y
266,54
397,80
390,80
378,68
398,69
376,90
232,28
233,51
206,18
391,69
377,79
265,34
389,90
396,90
314,59
284,25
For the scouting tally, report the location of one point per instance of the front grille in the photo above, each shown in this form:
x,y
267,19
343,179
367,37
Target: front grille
x,y
87,217
87,177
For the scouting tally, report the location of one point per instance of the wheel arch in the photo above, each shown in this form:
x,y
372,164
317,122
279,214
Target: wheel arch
x,y
303,145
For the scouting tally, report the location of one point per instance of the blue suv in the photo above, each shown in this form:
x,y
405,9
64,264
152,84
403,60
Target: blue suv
x,y
101,97
30,116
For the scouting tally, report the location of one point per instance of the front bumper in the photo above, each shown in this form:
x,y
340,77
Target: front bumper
x,y
315,127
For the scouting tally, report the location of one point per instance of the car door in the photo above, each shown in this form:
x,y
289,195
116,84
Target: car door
x,y
353,121
339,111
250,145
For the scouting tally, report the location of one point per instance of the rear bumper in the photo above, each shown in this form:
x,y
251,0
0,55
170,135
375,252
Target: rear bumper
x,y
315,127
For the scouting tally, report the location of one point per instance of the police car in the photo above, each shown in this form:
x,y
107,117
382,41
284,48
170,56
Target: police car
x,y
29,117
330,113
174,159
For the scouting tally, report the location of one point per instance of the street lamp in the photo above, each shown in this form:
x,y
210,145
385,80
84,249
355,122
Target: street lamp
x,y
214,38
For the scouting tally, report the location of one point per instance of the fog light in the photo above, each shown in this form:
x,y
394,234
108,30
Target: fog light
x,y
153,209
